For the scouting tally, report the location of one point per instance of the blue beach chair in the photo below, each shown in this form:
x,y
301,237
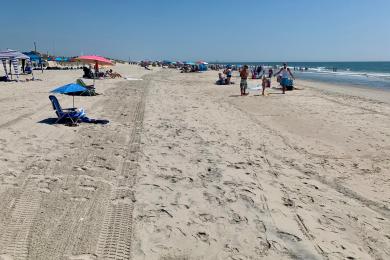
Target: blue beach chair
x,y
66,113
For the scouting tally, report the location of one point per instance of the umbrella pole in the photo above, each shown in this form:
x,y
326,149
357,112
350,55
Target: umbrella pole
x,y
73,101
96,71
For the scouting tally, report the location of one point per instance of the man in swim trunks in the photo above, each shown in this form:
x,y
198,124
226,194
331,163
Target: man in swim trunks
x,y
244,73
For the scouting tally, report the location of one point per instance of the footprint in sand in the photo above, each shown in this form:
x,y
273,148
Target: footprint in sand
x,y
288,202
203,236
204,217
288,236
235,218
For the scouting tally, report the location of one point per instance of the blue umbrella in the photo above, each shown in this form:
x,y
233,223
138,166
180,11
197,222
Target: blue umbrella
x,y
69,89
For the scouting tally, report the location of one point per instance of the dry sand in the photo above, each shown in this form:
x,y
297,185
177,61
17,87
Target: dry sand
x,y
190,170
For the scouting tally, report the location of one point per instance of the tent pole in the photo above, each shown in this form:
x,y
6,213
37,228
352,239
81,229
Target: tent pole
x,y
10,70
32,70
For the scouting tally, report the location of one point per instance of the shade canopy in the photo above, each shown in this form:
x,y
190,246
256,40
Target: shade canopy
x,y
33,56
12,54
94,59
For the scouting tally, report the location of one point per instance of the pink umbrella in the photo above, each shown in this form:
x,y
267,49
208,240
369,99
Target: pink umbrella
x,y
97,60
94,59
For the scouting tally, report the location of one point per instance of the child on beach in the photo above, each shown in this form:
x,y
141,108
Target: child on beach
x,y
244,73
266,83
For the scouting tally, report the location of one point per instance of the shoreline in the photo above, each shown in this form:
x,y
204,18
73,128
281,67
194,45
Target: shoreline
x,y
375,93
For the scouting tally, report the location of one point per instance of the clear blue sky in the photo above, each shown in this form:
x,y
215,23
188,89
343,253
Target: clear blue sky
x,y
224,30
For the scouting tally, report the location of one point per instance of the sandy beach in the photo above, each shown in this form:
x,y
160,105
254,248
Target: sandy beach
x,y
190,170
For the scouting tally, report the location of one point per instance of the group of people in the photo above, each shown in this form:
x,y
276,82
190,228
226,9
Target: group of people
x,y
89,74
222,80
284,79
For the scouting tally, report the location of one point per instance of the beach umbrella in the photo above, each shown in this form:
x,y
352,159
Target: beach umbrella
x,y
97,60
69,89
189,63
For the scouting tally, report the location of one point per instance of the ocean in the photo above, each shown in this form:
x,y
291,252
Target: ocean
x,y
360,74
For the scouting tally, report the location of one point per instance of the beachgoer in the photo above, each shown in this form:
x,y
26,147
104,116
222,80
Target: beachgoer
x,y
259,69
244,73
266,83
270,73
284,80
221,80
228,72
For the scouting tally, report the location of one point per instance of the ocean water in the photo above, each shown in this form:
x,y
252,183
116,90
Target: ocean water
x,y
363,74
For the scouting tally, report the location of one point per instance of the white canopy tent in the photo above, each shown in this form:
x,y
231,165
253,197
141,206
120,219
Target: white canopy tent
x,y
13,57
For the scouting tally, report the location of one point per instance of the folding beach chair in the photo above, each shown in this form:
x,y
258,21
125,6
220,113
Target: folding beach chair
x,y
66,113
90,88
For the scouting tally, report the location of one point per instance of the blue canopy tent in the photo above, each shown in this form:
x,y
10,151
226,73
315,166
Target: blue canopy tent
x,y
33,57
202,67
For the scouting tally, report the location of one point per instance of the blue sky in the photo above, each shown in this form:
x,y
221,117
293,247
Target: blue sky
x,y
224,30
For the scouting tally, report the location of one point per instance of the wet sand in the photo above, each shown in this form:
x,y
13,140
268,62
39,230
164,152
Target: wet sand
x,y
190,170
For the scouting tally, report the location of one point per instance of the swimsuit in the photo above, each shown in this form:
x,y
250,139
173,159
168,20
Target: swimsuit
x,y
243,84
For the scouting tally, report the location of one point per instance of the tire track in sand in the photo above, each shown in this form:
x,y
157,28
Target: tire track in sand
x,y
15,238
117,231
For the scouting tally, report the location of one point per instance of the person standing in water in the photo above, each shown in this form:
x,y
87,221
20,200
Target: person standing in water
x,y
286,72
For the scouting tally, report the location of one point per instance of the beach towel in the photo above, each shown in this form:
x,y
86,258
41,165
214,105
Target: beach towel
x,y
255,87
94,121
129,78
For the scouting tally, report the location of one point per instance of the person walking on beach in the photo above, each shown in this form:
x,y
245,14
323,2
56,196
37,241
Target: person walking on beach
x,y
266,83
285,71
244,73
